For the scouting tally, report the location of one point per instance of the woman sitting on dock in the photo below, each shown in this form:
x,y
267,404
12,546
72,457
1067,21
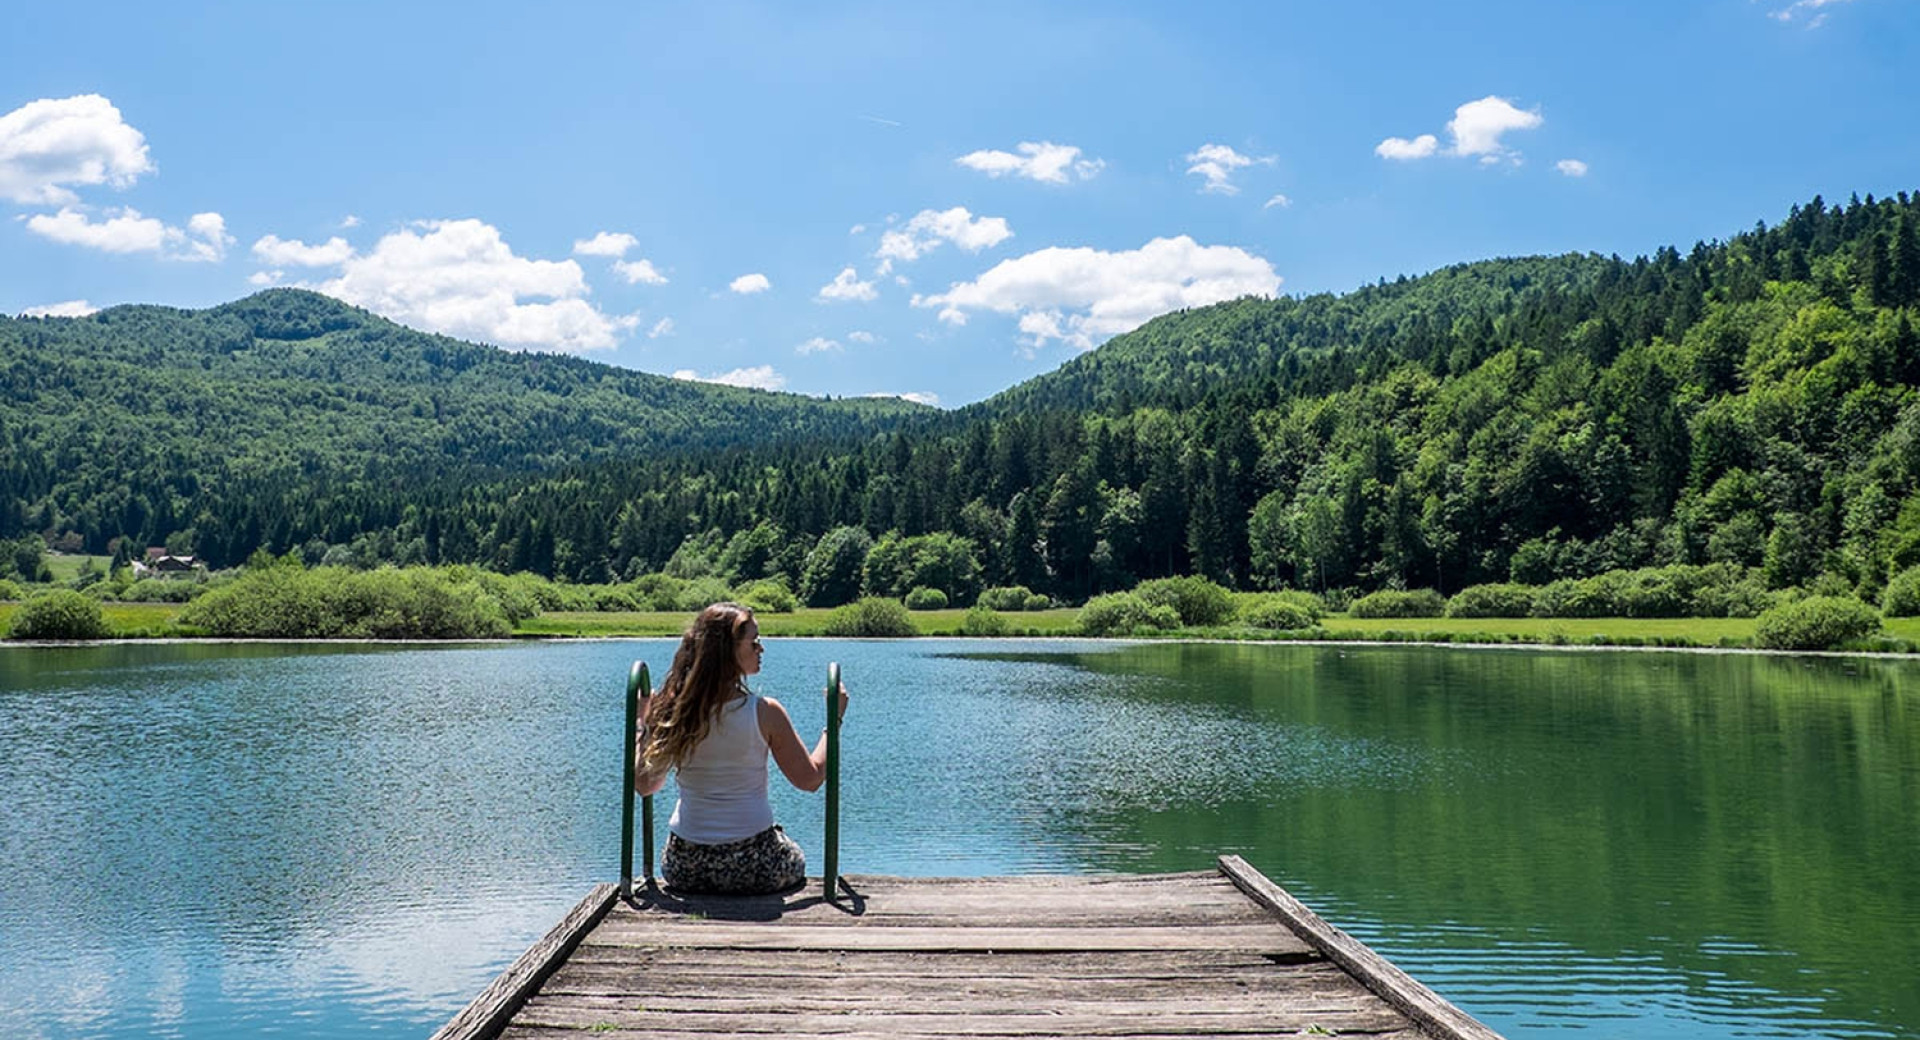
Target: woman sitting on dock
x,y
714,734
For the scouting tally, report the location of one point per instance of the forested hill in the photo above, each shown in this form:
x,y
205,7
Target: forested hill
x,y
1752,401
127,420
1182,358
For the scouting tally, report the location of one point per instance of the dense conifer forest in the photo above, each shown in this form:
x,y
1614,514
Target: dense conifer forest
x,y
1751,401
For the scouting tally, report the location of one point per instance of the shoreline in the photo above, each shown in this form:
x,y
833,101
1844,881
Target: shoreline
x,y
955,638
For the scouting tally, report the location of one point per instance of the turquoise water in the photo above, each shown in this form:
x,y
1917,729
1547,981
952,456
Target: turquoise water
x,y
319,841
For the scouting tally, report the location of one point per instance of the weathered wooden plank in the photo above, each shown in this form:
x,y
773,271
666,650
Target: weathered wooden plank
x,y
1145,963
1139,1004
1432,1012
1184,1022
983,916
736,935
608,1029
600,979
491,1010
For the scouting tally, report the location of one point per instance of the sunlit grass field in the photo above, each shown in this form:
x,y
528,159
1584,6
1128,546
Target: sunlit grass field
x,y
67,568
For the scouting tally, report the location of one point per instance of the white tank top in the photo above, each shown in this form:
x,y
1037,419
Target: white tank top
x,y
723,783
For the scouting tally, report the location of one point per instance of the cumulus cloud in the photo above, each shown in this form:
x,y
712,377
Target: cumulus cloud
x,y
1402,149
266,278
1571,167
917,397
49,144
291,252
816,345
1278,200
759,377
606,243
460,278
204,238
350,221
638,272
1477,126
64,309
1041,161
1216,163
663,327
929,228
1478,129
847,286
1081,296
858,336
748,284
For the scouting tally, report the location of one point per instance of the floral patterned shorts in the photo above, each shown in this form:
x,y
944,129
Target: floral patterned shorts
x,y
767,862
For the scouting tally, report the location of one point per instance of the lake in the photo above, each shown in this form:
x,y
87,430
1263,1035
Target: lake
x,y
225,840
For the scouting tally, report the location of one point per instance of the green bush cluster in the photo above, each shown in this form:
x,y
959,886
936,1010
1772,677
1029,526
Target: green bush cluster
x,y
869,617
1397,603
981,621
924,598
770,596
1680,590
290,602
60,614
1125,614
9,590
1492,601
1816,623
1902,597
1197,601
160,590
1276,612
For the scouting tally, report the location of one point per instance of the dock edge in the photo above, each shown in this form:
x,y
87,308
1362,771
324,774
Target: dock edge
x,y
489,1013
1429,1010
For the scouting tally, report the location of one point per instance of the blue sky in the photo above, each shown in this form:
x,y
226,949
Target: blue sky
x,y
902,198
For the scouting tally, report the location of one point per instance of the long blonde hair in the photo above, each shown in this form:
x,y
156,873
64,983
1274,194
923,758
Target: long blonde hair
x,y
705,675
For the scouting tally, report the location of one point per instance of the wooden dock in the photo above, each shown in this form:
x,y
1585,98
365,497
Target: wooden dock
x,y
1225,953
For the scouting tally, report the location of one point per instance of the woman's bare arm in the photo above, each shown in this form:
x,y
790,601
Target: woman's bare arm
x,y
804,769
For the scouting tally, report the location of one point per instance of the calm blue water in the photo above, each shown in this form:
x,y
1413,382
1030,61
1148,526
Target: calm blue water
x,y
329,841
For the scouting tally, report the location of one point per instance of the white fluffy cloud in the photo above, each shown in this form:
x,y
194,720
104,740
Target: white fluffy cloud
x,y
748,284
48,144
1216,163
606,243
460,278
638,272
1278,200
759,377
1571,167
1037,161
291,252
1081,296
63,309
1477,129
929,228
847,286
1402,149
204,238
816,345
663,327
859,336
1477,126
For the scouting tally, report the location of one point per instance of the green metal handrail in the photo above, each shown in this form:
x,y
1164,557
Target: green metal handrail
x,y
830,874
639,689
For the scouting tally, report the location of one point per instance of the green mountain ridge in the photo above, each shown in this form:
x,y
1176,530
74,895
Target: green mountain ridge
x,y
1754,402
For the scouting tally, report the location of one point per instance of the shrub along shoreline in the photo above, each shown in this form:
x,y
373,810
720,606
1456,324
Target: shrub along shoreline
x,y
1713,606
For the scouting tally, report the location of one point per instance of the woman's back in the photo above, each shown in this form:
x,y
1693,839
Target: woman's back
x,y
723,781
